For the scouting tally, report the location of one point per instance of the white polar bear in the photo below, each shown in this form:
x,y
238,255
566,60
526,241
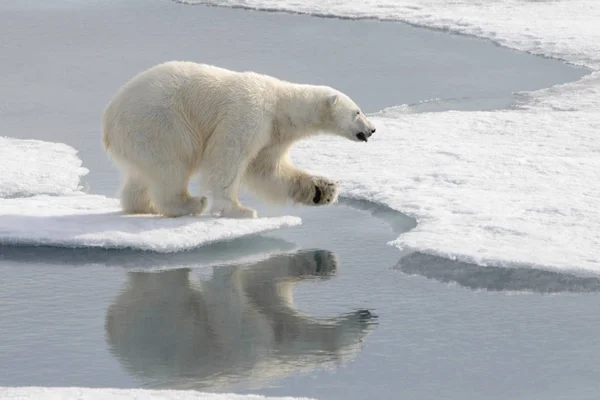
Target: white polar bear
x,y
178,119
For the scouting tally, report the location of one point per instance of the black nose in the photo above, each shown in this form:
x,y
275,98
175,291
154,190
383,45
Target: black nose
x,y
373,130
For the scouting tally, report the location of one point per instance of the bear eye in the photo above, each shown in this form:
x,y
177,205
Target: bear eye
x,y
358,112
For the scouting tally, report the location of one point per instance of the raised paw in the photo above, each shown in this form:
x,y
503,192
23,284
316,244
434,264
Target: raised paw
x,y
325,191
313,191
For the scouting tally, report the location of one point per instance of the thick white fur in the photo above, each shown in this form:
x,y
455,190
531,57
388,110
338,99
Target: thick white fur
x,y
178,119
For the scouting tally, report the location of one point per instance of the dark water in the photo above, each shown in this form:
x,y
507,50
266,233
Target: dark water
x,y
326,310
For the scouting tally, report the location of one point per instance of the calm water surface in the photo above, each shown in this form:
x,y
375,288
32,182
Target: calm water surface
x,y
326,309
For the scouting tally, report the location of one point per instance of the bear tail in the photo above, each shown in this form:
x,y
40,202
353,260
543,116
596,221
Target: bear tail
x,y
105,125
105,140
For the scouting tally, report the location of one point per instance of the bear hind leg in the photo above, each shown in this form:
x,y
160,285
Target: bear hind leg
x,y
228,208
134,197
224,183
168,188
226,204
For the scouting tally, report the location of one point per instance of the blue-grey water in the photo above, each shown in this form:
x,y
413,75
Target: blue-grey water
x,y
327,309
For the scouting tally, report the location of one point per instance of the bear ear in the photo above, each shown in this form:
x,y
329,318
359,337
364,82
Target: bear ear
x,y
332,99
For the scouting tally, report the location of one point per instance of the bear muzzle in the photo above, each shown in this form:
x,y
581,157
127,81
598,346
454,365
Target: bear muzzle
x,y
363,136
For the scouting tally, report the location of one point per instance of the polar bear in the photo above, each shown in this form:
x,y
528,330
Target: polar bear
x,y
180,118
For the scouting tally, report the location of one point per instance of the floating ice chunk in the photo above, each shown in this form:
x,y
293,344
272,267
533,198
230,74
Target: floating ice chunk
x,y
78,393
96,221
31,167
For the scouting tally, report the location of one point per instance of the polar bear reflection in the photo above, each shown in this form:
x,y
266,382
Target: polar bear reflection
x,y
237,326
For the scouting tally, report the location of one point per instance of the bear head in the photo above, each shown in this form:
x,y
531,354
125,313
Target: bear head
x,y
346,119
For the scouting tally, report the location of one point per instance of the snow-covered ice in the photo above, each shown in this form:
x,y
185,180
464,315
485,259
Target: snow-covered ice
x,y
481,191
50,393
31,167
518,186
85,220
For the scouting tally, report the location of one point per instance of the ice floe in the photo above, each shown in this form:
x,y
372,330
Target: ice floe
x,y
97,221
31,167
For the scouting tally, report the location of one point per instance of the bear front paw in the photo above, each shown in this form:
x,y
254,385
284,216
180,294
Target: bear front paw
x,y
325,191
313,191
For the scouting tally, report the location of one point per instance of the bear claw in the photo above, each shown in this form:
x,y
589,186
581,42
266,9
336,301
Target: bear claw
x,y
325,191
314,191
317,197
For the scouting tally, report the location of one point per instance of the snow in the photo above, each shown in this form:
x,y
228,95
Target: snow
x,y
46,393
518,186
31,167
495,188
85,220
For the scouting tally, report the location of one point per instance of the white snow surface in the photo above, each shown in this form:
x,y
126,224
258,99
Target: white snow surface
x,y
77,393
31,167
84,220
494,188
520,186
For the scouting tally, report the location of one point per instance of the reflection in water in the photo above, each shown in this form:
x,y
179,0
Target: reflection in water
x,y
495,278
219,253
238,326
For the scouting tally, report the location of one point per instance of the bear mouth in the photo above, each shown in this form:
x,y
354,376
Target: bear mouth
x,y
361,136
